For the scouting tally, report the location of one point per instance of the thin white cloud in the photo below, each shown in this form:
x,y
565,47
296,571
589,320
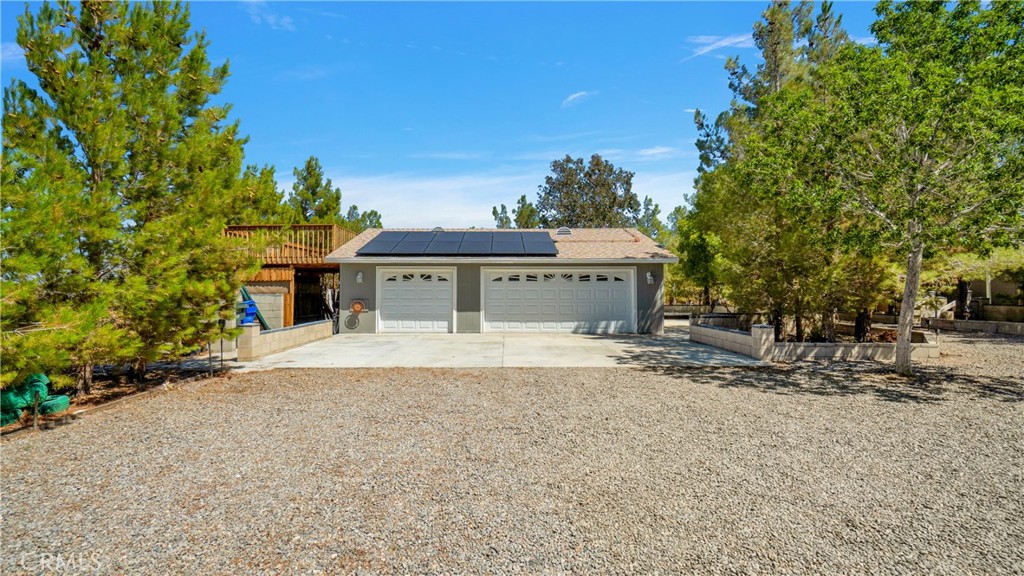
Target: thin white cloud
x,y
576,97
690,110
657,152
11,53
706,44
260,13
865,40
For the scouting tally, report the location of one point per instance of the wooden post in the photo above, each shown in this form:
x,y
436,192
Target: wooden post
x,y
35,412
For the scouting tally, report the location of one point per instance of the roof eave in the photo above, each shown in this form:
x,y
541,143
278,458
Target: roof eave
x,y
413,260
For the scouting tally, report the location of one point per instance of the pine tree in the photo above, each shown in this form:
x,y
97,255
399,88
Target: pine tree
x,y
501,219
258,200
314,199
119,176
525,214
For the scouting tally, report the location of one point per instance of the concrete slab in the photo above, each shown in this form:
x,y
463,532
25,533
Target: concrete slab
x,y
674,348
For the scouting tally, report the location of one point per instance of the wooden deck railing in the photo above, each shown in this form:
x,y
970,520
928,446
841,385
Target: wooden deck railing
x,y
296,244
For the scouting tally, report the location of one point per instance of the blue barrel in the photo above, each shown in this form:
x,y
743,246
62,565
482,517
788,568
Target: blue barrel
x,y
249,315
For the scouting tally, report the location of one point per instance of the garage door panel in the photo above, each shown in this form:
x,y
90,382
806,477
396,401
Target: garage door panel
x,y
589,300
416,301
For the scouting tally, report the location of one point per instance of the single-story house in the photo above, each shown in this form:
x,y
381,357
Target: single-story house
x,y
607,280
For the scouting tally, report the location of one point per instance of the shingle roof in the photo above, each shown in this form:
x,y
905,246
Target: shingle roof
x,y
583,244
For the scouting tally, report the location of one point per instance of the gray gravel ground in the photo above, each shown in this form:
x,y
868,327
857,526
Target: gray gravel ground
x,y
811,468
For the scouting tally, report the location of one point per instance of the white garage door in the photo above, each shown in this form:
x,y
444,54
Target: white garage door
x,y
597,301
419,300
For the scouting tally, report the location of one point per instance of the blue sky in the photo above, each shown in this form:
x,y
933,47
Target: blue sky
x,y
431,113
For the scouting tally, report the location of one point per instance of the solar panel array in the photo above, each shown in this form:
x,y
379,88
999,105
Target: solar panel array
x,y
389,243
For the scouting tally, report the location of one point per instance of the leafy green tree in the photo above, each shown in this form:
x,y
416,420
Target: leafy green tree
x,y
314,199
118,179
587,195
358,221
748,230
501,219
525,214
258,199
932,130
649,223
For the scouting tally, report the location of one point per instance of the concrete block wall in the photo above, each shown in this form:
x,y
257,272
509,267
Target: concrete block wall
x,y
255,343
1012,328
272,308
882,351
760,343
727,339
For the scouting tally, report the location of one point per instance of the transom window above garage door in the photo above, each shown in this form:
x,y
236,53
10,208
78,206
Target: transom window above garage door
x,y
418,277
557,277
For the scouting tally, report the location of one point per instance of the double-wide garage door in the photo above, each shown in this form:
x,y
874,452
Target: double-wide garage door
x,y
599,301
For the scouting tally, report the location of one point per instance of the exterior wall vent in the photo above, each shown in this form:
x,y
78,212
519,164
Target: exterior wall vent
x,y
563,231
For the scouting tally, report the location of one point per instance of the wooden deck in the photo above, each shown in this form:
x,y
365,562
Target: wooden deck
x,y
298,245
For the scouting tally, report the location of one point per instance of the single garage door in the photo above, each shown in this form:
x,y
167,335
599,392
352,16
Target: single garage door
x,y
416,300
599,301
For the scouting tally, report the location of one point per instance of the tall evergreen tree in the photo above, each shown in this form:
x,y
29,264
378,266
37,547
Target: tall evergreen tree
x,y
525,214
314,199
258,200
501,218
118,174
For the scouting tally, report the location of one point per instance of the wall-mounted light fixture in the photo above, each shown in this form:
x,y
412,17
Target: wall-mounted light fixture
x,y
359,277
650,278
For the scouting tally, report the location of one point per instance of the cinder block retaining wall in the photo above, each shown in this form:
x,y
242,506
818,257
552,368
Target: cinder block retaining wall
x,y
1015,328
255,343
759,343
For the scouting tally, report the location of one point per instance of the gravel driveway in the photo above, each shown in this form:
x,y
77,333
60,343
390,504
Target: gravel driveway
x,y
810,468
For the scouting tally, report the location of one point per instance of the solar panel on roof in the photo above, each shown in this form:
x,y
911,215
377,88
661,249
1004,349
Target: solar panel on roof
x,y
449,237
376,248
437,248
409,247
420,236
477,237
500,243
507,249
474,248
536,236
538,249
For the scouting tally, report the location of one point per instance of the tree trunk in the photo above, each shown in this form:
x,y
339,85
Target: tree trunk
x,y
828,325
799,321
707,296
83,380
139,370
862,325
906,321
962,286
780,325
